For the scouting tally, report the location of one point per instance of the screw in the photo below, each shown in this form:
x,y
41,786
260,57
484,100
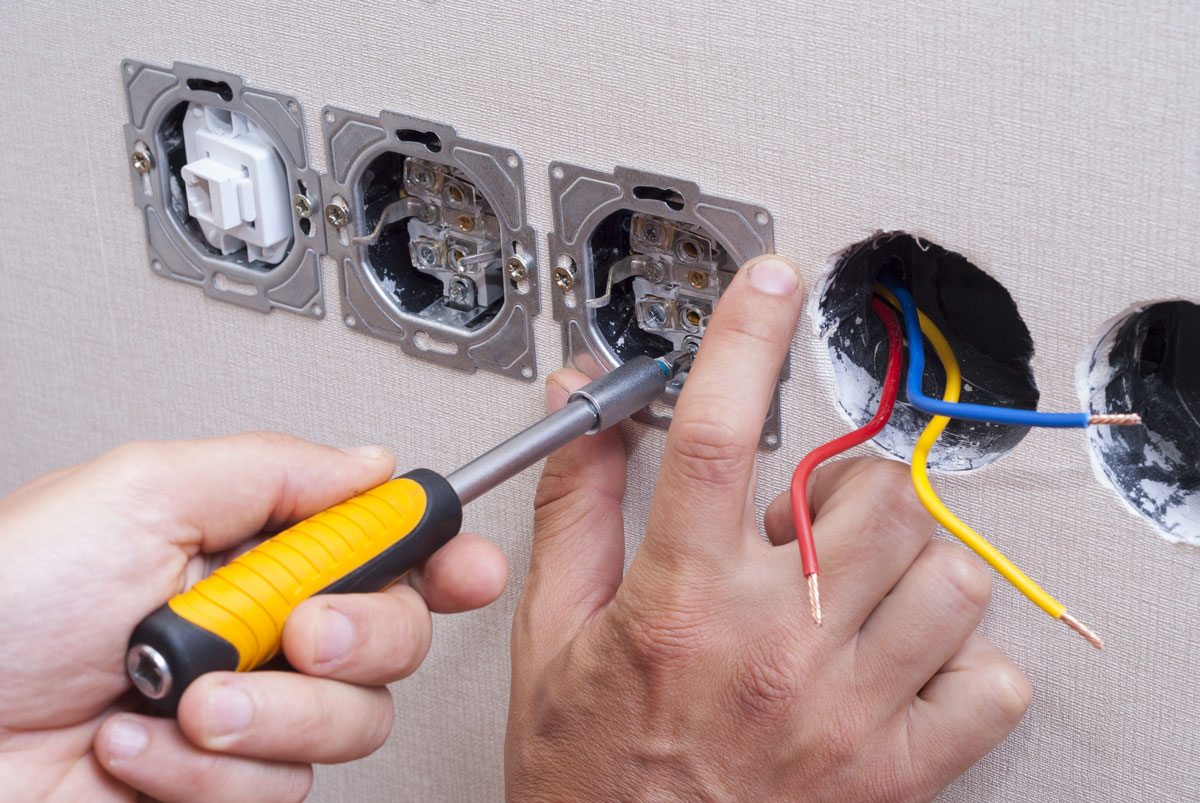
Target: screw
x,y
141,161
302,204
337,213
564,275
698,279
458,291
651,233
516,267
465,222
426,255
420,176
656,271
656,315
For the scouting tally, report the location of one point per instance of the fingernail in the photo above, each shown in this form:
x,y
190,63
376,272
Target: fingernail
x,y
126,739
365,452
334,635
229,711
774,276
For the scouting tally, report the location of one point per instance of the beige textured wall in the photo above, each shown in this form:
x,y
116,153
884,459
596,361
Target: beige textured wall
x,y
1057,144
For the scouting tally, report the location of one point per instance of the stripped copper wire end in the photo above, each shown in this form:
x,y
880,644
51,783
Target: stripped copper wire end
x,y
1115,420
1082,630
814,598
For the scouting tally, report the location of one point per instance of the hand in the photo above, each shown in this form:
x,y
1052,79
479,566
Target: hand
x,y
699,675
87,552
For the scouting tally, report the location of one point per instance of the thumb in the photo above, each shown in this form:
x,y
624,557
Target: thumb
x,y
579,536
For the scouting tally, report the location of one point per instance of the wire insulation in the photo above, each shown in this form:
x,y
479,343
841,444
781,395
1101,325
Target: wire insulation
x,y
942,514
913,326
799,487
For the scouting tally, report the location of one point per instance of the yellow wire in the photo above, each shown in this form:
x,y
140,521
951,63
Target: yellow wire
x,y
920,475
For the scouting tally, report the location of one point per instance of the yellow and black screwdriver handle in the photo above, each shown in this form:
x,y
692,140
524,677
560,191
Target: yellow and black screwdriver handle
x,y
233,619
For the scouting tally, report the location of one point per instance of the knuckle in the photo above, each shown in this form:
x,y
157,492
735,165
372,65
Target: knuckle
x,y
555,484
840,742
412,634
885,487
383,716
710,452
751,329
316,723
296,783
769,685
1011,692
136,463
269,440
668,633
963,574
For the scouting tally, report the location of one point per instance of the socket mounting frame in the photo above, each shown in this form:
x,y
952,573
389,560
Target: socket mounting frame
x,y
583,198
153,94
353,142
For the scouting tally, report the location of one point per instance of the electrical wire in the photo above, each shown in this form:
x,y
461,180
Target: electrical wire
x,y
976,412
920,478
799,488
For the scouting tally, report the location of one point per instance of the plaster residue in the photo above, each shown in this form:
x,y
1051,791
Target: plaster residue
x,y
1147,360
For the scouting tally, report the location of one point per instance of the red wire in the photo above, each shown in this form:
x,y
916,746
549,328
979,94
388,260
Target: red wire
x,y
799,490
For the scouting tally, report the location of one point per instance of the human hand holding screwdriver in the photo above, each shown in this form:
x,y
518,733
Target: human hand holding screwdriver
x,y
699,674
88,551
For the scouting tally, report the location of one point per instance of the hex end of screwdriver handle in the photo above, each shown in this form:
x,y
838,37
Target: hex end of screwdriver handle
x,y
623,391
233,619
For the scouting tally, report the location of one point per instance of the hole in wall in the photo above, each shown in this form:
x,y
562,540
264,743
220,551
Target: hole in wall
x,y
976,314
1147,360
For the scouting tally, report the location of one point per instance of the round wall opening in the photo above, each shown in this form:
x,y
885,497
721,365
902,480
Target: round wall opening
x,y
1147,360
976,314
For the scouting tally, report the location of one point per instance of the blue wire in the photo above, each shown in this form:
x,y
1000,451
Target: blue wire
x,y
974,412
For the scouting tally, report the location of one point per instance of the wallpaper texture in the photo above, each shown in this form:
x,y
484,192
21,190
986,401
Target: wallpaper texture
x,y
1057,145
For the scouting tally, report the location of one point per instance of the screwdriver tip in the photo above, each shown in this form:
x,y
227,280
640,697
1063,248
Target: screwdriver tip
x,y
814,598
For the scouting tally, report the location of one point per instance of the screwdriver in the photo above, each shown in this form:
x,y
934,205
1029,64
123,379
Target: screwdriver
x,y
233,619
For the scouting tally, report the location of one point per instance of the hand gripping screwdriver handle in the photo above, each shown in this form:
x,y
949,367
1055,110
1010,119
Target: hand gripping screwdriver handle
x,y
233,619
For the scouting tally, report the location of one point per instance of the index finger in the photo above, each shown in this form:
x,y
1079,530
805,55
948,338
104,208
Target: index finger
x,y
708,466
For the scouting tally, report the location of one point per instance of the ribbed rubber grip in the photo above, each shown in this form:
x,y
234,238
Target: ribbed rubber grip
x,y
363,544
